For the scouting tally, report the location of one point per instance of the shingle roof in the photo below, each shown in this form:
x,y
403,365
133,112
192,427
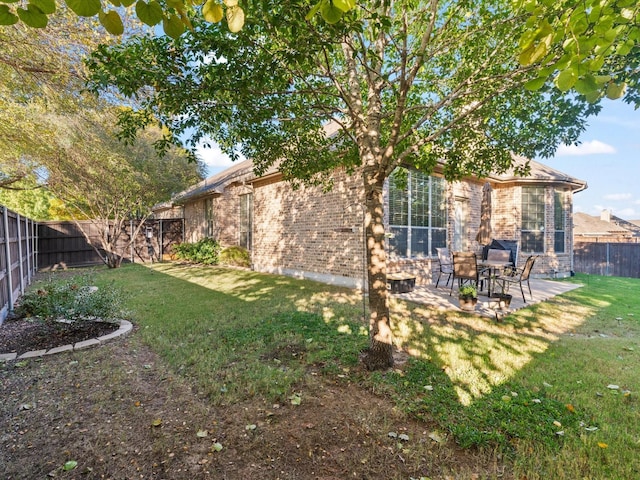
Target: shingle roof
x,y
540,173
584,224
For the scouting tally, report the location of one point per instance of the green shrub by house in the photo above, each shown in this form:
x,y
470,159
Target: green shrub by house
x,y
205,251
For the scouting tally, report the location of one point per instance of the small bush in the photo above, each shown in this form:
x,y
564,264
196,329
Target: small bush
x,y
236,256
205,251
73,299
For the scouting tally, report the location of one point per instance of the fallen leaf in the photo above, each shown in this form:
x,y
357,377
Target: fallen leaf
x,y
70,465
536,400
560,433
612,387
436,437
147,366
392,434
250,427
201,433
156,422
514,394
506,398
557,423
570,408
296,399
428,387
25,406
217,446
591,429
547,385
603,445
404,436
136,404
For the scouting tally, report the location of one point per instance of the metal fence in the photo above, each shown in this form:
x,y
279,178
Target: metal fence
x,y
18,240
610,259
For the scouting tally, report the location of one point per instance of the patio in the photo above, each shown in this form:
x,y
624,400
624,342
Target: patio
x,y
439,297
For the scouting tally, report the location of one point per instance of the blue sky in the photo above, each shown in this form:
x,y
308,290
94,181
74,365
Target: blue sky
x,y
607,159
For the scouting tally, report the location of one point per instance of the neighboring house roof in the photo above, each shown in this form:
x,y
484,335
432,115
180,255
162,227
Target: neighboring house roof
x,y
588,225
632,226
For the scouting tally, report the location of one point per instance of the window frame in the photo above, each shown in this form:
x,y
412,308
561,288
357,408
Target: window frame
x,y
414,213
532,236
245,223
559,221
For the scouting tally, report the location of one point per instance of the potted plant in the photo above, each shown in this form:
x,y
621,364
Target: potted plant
x,y
468,296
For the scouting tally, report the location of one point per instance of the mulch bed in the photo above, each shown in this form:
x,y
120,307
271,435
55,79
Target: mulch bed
x,y
28,334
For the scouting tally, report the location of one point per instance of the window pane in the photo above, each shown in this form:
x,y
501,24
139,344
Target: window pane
x,y
558,244
419,199
398,202
398,241
438,203
419,242
438,239
532,242
558,210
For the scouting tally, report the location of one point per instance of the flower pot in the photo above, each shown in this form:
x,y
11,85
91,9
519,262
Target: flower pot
x,y
468,304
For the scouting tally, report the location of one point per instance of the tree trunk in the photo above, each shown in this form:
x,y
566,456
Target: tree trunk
x,y
379,355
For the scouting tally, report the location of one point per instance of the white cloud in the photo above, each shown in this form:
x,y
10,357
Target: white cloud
x,y
618,197
213,157
591,147
625,213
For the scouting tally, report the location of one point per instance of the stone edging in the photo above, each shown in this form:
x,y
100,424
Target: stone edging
x,y
125,327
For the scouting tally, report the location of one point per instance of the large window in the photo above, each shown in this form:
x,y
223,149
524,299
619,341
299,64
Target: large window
x,y
533,219
417,215
558,221
209,217
246,220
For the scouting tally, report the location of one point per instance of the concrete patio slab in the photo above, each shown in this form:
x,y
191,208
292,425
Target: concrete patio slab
x,y
440,299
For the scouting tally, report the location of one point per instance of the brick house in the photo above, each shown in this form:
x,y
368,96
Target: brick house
x,y
319,235
605,228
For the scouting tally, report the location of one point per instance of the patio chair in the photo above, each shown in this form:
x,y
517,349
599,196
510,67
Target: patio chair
x,y
465,269
518,275
446,264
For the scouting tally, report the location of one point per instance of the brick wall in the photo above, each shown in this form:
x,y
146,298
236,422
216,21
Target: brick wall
x,y
315,234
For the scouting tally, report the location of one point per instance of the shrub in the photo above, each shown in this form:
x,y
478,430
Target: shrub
x,y
205,251
73,299
236,256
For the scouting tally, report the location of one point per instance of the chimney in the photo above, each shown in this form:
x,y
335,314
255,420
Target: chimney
x,y
605,215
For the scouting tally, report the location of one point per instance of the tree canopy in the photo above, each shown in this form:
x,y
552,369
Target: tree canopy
x,y
397,83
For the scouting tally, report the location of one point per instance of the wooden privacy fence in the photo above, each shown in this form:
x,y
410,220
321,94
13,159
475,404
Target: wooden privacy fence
x,y
17,258
61,244
610,259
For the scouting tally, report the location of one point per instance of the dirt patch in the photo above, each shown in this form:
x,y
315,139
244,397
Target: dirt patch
x,y
25,335
121,414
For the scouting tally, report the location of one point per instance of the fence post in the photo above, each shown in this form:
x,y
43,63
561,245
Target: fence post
x,y
20,257
7,249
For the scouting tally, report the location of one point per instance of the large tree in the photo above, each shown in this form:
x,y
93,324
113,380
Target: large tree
x,y
56,138
407,83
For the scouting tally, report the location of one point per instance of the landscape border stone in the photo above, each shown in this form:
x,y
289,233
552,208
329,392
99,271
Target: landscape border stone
x,y
124,328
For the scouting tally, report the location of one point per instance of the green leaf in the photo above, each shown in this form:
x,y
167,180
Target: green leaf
x,y
127,3
149,13
330,13
33,17
84,8
173,26
344,5
235,19
535,84
6,16
212,11
586,85
111,22
217,446
70,465
566,79
615,91
313,11
46,6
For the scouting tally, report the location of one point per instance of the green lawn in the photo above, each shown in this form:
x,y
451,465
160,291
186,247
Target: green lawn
x,y
536,389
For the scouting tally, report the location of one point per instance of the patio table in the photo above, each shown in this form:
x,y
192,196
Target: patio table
x,y
493,267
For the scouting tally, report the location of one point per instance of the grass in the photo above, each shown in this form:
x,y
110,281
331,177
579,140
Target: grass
x,y
533,389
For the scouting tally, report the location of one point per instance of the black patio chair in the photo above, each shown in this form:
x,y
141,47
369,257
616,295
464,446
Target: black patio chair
x,y
446,264
518,275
